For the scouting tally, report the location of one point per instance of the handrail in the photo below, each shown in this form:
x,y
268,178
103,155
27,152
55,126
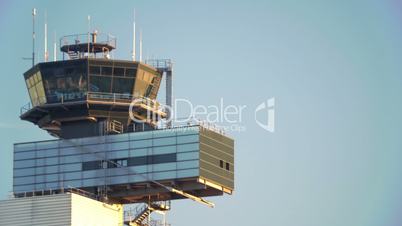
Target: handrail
x,y
86,96
164,64
60,190
76,39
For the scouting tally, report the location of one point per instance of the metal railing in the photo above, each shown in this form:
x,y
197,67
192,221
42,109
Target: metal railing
x,y
161,64
131,213
186,123
114,126
44,192
127,99
112,97
77,39
63,98
158,223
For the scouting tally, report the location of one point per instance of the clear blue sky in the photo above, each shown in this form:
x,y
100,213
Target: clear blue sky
x,y
334,68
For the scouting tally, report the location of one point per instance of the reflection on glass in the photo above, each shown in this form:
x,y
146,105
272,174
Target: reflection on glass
x,y
100,84
94,70
118,71
130,72
123,85
70,85
106,71
35,89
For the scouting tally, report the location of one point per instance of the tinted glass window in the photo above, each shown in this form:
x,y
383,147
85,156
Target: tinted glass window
x,y
130,72
106,71
35,89
94,70
118,71
100,84
67,84
148,92
91,165
123,85
137,161
133,161
156,159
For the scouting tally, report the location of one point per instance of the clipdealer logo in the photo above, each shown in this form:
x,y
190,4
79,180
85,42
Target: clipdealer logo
x,y
229,115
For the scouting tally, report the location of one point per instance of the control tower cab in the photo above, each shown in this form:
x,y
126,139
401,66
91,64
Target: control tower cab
x,y
89,94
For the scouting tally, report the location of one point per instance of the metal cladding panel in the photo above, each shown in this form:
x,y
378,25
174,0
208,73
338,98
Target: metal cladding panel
x,y
59,210
51,210
142,156
217,158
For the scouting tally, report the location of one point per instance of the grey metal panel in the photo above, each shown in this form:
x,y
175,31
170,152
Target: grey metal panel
x,y
164,141
188,156
24,155
187,139
24,163
54,210
24,147
188,147
164,149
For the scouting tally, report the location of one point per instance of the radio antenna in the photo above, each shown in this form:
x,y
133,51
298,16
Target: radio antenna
x,y
46,52
33,36
140,45
89,31
54,47
133,53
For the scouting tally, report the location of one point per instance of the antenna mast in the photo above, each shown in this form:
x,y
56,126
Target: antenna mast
x,y
133,56
33,36
46,52
89,31
54,47
140,45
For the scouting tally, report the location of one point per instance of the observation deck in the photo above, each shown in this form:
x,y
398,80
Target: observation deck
x,y
87,45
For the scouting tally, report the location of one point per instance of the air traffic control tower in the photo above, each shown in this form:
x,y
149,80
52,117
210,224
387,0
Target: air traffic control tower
x,y
113,147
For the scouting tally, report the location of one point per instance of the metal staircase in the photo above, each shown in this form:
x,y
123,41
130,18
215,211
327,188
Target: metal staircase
x,y
73,55
142,213
155,87
114,127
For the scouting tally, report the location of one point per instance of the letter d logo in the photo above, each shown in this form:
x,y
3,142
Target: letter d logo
x,y
268,106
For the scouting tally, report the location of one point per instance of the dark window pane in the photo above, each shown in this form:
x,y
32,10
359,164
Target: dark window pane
x,y
100,84
118,71
137,161
221,163
123,85
130,72
93,165
227,166
156,159
65,81
106,71
148,92
153,159
94,70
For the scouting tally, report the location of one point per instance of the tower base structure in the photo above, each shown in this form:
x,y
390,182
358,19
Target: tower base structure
x,y
59,210
130,167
